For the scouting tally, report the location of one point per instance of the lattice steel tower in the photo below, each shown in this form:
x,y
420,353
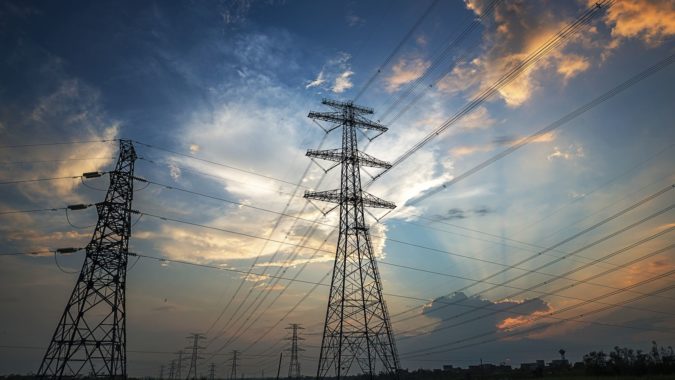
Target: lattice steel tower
x,y
90,339
357,327
235,365
195,337
294,364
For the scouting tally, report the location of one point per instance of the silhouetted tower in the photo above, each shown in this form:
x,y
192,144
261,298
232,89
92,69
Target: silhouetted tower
x,y
172,369
179,365
294,365
161,372
235,364
192,371
357,326
90,339
212,371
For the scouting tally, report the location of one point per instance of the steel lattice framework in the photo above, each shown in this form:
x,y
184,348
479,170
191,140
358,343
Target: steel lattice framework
x,y
90,339
294,364
357,328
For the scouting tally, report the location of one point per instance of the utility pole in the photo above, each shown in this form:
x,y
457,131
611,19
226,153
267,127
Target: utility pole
x,y
90,339
294,366
195,337
212,371
179,367
235,364
357,331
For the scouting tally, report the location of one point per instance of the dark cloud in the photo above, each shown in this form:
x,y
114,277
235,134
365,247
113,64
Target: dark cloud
x,y
458,213
482,211
461,318
452,308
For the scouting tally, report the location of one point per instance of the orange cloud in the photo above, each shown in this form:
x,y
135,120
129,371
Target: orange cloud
x,y
571,65
650,21
406,71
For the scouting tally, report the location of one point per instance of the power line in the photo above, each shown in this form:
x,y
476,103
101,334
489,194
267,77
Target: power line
x,y
183,169
227,231
608,95
56,143
396,49
558,123
553,42
548,315
52,161
557,277
215,163
31,211
276,226
436,61
170,187
315,221
655,68
393,240
594,300
616,233
39,179
320,284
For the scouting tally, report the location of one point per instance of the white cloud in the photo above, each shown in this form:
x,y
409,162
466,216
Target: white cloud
x,y
571,152
317,82
335,75
343,82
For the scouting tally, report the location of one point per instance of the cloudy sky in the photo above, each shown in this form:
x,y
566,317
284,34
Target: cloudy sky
x,y
533,176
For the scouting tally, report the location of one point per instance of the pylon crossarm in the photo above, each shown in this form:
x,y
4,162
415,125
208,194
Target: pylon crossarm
x,y
370,200
342,105
337,155
332,196
339,118
364,123
370,161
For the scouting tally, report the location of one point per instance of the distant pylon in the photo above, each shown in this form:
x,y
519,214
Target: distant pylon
x,y
161,372
294,365
90,338
212,371
179,365
172,369
357,326
235,364
195,337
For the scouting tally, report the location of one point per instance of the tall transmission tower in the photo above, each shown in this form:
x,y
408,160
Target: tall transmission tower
x,y
212,371
294,366
195,337
235,365
90,339
172,369
161,372
357,327
179,366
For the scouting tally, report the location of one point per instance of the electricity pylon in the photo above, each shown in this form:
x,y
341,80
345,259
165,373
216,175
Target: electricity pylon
x,y
192,371
90,339
357,326
212,371
172,369
235,365
294,365
179,367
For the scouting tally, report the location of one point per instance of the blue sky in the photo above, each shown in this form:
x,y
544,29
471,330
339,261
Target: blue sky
x,y
233,81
